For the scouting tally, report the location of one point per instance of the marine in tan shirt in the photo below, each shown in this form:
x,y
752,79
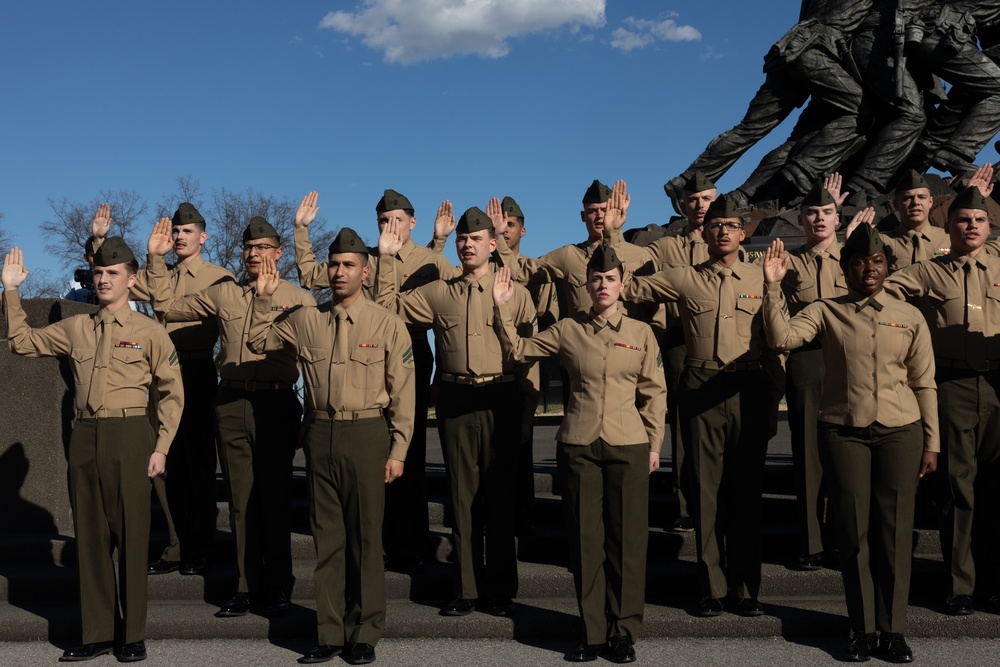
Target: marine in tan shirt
x,y
724,406
479,410
916,239
359,376
878,429
407,523
257,411
115,356
609,442
959,296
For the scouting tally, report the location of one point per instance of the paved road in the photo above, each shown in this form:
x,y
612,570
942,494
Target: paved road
x,y
490,653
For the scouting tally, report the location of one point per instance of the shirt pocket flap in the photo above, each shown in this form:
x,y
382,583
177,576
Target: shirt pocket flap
x,y
126,355
81,354
312,355
367,355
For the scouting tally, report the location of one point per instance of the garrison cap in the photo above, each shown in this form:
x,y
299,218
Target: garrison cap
x,y
511,208
259,228
723,207
597,193
391,201
697,183
113,251
817,196
865,241
348,241
186,214
473,220
604,259
911,180
970,197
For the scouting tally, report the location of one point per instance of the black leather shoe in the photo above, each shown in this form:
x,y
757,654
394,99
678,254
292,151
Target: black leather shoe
x,y
585,653
86,652
958,605
620,649
238,605
194,566
322,653
275,604
684,524
133,652
709,606
163,566
992,603
747,607
499,606
861,647
459,607
360,654
892,647
810,562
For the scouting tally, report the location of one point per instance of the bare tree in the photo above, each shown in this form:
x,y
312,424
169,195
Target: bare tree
x,y
70,227
188,190
41,285
5,241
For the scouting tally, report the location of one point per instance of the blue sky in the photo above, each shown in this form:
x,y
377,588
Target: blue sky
x,y
457,99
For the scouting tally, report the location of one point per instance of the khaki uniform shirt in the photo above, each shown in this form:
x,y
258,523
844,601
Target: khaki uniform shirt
x,y
443,305
141,354
196,275
378,374
937,289
906,246
618,391
229,303
812,275
879,363
415,265
696,291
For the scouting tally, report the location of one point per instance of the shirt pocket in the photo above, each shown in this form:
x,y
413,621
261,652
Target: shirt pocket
x,y
367,370
447,331
992,306
231,325
126,367
83,364
948,306
701,314
314,362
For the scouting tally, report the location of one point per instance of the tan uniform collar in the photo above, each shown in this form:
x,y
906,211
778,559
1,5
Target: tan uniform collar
x,y
810,252
598,322
119,316
194,266
861,300
353,311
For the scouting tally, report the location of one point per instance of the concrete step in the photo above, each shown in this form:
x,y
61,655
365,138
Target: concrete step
x,y
534,620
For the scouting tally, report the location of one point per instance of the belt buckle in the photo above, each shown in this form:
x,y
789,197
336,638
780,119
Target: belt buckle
x,y
354,415
730,367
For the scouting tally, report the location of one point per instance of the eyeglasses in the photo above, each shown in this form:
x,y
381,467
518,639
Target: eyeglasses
x,y
261,248
728,226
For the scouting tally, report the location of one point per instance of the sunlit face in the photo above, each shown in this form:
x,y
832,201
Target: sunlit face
x,y
969,229
819,222
474,249
604,288
593,217
408,222
254,252
112,283
347,272
695,205
188,240
914,206
866,274
723,236
512,235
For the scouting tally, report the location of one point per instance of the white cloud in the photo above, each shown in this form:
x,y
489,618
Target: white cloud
x,y
640,33
408,31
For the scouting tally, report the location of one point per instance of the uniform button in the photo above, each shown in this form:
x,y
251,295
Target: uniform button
x,y
873,335
873,355
604,358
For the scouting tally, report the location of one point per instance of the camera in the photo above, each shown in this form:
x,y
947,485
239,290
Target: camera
x,y
85,277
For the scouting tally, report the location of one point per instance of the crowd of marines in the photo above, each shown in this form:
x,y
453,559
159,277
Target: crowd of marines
x,y
884,345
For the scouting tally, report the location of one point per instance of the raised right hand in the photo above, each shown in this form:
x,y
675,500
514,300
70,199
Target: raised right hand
x,y
503,286
101,224
268,278
389,241
307,210
160,239
14,271
775,262
444,223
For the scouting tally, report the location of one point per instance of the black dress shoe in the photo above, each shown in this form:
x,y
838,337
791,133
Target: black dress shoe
x,y
748,607
586,653
86,652
499,606
163,566
238,605
992,603
810,562
133,652
322,653
620,649
275,604
892,647
684,524
958,605
709,606
194,566
861,647
459,607
360,654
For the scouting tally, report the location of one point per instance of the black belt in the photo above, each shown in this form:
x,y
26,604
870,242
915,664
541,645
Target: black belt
x,y
191,355
961,364
731,367
255,386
